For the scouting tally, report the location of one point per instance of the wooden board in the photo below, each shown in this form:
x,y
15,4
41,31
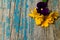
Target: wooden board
x,y
15,24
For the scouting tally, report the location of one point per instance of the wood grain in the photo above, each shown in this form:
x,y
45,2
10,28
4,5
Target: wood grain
x,y
15,24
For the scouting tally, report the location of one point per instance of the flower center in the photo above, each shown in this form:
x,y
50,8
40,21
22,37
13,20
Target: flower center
x,y
41,8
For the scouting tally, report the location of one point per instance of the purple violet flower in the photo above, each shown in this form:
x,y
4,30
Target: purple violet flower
x,y
42,8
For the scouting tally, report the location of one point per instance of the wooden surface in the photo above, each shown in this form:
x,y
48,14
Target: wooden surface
x,y
15,24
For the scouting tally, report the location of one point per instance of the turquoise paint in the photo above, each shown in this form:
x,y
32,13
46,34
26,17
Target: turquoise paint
x,y
7,27
16,28
8,4
3,30
31,1
26,24
16,22
8,32
27,5
0,22
17,4
13,0
57,24
8,20
22,26
32,26
16,16
22,4
4,1
3,26
55,3
25,36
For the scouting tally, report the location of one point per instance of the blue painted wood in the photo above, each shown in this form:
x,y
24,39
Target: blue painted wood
x,y
25,28
6,20
1,20
17,18
54,5
17,25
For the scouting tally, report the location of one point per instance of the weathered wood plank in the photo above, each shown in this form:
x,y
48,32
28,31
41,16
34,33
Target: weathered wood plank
x,y
1,33
6,19
15,24
12,30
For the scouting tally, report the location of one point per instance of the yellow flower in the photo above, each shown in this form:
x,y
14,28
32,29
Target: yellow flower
x,y
54,14
47,22
42,20
33,13
50,19
39,19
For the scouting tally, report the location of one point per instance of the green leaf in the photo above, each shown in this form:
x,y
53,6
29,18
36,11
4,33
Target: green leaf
x,y
44,0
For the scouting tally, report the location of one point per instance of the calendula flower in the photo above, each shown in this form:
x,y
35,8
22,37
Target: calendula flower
x,y
38,18
42,15
42,20
50,19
